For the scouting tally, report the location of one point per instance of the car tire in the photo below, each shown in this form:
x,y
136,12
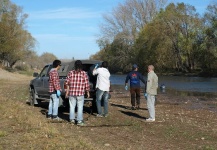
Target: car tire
x,y
32,99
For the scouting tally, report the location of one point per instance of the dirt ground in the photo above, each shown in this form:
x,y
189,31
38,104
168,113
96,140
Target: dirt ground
x,y
182,122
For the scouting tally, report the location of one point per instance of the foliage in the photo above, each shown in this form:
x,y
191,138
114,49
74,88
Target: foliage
x,y
17,46
120,30
172,37
15,41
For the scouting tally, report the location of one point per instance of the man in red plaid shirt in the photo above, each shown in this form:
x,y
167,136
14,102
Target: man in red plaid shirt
x,y
77,84
54,90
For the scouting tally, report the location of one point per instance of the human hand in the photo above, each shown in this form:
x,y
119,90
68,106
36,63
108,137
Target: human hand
x,y
88,94
145,94
67,94
58,93
96,66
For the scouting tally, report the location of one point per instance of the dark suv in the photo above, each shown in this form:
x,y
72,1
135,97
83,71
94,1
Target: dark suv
x,y
39,86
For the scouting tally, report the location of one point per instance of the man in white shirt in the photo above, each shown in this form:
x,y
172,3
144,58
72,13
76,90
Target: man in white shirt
x,y
102,86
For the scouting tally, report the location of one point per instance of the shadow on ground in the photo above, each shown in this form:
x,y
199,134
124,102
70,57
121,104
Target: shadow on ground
x,y
63,112
129,113
126,107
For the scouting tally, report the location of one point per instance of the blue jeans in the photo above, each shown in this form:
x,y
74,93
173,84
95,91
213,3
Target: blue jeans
x,y
53,105
102,95
150,105
72,103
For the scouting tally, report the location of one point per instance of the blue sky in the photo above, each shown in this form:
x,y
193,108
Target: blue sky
x,y
68,28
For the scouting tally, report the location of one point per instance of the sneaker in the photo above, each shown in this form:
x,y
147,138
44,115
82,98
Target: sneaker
x,y
98,115
49,117
57,119
80,123
133,108
72,121
150,120
106,115
138,107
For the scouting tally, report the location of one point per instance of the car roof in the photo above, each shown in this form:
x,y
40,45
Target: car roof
x,y
68,66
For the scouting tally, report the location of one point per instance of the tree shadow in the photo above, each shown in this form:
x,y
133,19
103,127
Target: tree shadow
x,y
129,113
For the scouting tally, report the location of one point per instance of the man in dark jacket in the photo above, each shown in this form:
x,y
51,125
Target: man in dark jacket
x,y
134,76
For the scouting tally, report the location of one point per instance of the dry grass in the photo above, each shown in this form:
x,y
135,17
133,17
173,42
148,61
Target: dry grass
x,y
177,125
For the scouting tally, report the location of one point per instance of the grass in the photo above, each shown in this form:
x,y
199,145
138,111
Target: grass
x,y
25,127
3,133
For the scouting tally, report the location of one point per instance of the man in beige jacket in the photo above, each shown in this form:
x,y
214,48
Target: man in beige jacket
x,y
151,90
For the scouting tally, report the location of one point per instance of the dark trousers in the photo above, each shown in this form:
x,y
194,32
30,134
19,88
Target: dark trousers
x,y
135,96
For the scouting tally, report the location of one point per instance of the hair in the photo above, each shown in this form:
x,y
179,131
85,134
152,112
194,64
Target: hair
x,y
78,65
56,63
151,67
105,64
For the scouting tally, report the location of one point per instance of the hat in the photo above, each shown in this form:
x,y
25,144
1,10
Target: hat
x,y
135,66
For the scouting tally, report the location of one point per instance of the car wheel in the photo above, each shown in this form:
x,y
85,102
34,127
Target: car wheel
x,y
32,98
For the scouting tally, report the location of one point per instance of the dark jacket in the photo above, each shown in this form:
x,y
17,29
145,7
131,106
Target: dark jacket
x,y
135,77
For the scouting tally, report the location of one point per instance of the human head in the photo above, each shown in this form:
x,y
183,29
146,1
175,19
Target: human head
x,y
78,65
56,63
134,67
105,64
150,68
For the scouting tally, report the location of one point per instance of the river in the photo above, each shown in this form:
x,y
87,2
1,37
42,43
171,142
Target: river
x,y
179,84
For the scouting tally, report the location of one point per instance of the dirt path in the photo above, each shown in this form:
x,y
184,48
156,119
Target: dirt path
x,y
179,124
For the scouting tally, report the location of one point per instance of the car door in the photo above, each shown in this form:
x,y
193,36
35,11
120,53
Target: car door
x,y
39,83
45,88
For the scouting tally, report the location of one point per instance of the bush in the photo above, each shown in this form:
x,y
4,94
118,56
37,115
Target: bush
x,y
22,67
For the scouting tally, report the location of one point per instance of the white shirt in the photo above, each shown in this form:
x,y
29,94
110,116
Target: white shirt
x,y
103,81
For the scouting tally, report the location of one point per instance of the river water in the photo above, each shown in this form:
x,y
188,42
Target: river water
x,y
179,84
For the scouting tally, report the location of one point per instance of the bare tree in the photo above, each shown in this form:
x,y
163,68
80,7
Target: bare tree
x,y
126,20
122,26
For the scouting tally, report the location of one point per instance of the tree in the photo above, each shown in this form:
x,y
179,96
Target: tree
x,y
207,54
181,25
122,26
46,58
15,40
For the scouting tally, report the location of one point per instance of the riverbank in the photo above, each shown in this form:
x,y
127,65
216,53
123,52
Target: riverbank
x,y
181,123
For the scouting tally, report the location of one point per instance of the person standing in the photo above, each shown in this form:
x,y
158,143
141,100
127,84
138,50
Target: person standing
x,y
77,84
102,88
134,76
151,90
54,90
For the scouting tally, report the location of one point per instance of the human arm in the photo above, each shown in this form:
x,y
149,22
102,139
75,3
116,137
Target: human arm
x,y
67,91
149,83
87,86
142,78
66,83
56,82
95,72
126,81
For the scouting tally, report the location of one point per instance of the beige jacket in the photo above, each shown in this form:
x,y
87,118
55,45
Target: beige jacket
x,y
152,83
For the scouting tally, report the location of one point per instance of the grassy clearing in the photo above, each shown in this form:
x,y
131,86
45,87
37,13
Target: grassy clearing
x,y
176,127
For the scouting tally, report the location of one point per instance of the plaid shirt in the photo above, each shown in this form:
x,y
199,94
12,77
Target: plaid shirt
x,y
78,83
54,82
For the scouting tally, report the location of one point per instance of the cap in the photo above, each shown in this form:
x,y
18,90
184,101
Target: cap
x,y
135,66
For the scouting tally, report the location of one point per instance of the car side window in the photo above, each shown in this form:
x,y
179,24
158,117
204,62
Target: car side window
x,y
49,68
44,72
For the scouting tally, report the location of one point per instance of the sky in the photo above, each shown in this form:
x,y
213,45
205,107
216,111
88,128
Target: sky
x,y
69,28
